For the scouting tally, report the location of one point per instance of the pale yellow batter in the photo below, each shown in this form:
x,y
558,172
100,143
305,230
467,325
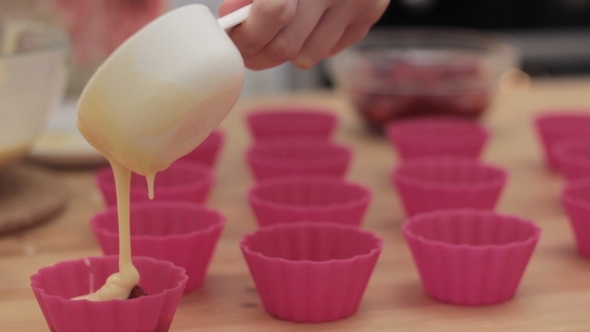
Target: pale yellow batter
x,y
143,141
119,284
132,132
3,73
12,32
148,106
9,155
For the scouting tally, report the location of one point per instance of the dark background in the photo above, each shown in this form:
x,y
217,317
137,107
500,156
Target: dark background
x,y
489,14
554,35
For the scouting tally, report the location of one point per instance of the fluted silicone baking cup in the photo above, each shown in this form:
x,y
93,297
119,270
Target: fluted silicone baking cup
x,y
284,157
436,183
573,157
182,181
437,136
555,125
208,151
575,197
55,286
183,233
470,257
309,272
273,122
303,198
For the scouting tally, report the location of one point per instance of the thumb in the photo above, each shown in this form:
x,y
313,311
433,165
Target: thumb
x,y
229,6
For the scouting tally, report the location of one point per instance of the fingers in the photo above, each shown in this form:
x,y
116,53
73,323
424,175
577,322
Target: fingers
x,y
322,40
359,27
351,35
286,45
331,35
301,31
229,6
265,21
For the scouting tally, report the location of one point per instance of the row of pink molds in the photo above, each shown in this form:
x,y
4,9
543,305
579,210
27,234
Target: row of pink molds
x,y
317,270
565,139
314,272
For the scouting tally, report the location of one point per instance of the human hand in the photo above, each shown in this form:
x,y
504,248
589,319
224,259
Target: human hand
x,y
300,31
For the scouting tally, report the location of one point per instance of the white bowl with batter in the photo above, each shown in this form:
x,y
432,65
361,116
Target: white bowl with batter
x,y
33,75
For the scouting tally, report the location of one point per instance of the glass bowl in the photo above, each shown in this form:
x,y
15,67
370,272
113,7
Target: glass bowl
x,y
33,74
403,72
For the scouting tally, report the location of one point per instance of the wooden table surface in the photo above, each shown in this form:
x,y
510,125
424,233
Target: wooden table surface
x,y
554,294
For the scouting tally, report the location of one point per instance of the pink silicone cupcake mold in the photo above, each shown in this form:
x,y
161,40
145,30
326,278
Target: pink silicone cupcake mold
x,y
437,136
291,122
576,200
554,126
573,157
55,286
302,198
470,257
182,181
436,183
207,152
283,157
308,272
183,233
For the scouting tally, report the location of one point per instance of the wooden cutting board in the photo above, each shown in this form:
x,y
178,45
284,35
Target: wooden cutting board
x,y
29,196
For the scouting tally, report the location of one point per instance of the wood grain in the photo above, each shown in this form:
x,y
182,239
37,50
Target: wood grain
x,y
554,294
28,196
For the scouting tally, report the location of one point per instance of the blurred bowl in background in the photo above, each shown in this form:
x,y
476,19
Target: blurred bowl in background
x,y
96,28
33,75
403,72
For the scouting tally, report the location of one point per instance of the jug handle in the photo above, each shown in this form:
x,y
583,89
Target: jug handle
x,y
232,19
